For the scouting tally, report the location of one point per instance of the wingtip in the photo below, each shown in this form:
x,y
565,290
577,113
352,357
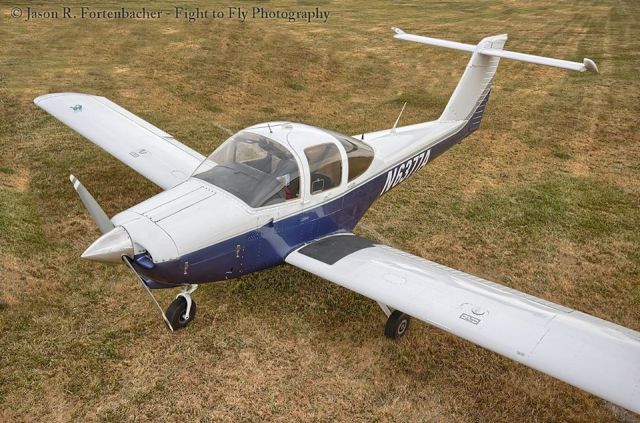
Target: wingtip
x,y
44,97
397,30
38,100
74,181
590,65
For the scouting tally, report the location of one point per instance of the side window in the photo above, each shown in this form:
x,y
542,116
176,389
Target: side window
x,y
359,154
325,165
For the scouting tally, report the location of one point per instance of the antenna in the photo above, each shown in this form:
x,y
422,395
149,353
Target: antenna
x,y
271,132
393,130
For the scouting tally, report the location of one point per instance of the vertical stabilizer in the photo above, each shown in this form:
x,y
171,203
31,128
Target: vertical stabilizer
x,y
474,86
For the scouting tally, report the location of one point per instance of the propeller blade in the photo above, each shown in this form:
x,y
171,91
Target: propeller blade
x,y
97,214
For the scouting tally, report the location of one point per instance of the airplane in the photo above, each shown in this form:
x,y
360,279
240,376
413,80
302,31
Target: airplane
x,y
284,192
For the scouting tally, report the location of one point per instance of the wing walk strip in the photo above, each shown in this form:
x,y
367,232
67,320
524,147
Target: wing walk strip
x,y
590,353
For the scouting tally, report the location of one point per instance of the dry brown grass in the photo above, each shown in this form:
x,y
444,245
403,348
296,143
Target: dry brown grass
x,y
544,198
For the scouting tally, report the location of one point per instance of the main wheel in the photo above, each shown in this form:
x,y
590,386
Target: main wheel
x,y
177,313
397,325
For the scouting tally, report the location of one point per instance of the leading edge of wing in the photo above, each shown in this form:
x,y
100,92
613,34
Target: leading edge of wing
x,y
595,355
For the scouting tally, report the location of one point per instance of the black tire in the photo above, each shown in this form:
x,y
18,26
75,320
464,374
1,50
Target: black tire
x,y
397,325
176,313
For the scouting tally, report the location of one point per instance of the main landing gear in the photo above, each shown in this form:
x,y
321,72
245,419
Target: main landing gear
x,y
182,310
397,323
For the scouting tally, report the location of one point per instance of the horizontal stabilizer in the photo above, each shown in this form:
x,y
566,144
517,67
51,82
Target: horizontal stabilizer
x,y
485,49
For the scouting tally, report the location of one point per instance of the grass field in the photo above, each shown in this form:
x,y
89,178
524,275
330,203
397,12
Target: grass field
x,y
544,198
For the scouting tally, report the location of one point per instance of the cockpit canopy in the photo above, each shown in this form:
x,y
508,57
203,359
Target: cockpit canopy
x,y
263,172
254,168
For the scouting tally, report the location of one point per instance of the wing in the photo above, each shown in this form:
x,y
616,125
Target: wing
x,y
146,149
592,354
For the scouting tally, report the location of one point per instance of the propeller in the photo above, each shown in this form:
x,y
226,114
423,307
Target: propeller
x,y
114,242
97,214
115,245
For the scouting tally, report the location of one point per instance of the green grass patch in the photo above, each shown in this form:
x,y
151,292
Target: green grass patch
x,y
562,155
296,86
20,224
574,208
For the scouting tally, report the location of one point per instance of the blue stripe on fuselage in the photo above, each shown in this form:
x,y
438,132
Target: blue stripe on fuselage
x,y
269,245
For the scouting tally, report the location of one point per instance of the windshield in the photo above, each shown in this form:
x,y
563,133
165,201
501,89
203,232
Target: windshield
x,y
254,168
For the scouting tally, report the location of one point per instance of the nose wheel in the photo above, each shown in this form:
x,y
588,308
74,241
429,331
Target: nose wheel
x,y
182,310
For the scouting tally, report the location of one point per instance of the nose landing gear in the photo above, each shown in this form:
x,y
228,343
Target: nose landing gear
x,y
183,309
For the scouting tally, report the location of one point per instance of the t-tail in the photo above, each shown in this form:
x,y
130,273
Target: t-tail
x,y
399,147
468,100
